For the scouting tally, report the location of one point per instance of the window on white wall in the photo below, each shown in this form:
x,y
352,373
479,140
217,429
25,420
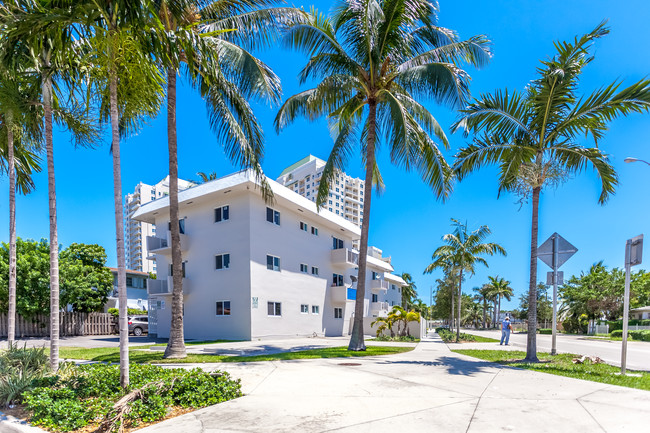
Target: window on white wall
x,y
223,308
304,308
338,313
273,263
273,216
337,280
274,308
222,261
376,276
222,214
374,298
303,226
304,268
314,309
314,270
314,231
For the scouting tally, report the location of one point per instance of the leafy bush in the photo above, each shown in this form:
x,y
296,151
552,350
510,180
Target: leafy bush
x,y
404,338
643,335
615,325
449,336
19,369
85,394
545,331
130,312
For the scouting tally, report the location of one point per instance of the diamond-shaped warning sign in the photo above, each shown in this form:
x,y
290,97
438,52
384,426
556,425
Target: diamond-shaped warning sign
x,y
564,251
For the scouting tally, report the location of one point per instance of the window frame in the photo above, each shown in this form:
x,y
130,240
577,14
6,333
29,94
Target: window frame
x,y
306,308
338,312
274,215
315,309
220,209
223,308
275,308
273,265
223,261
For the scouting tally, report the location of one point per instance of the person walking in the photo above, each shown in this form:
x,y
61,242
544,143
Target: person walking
x,y
506,327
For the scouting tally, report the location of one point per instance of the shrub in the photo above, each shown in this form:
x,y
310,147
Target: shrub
x,y
19,369
84,394
130,312
615,325
545,331
404,338
449,336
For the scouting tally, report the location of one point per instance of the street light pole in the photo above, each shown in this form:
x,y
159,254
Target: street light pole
x,y
631,159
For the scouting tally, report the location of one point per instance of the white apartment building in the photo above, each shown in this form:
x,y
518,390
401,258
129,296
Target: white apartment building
x,y
135,232
345,195
256,270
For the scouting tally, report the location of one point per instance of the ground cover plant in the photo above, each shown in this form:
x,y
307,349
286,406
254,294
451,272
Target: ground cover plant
x,y
400,338
562,365
142,354
19,368
84,395
450,337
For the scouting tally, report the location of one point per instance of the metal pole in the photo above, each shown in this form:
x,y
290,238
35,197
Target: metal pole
x,y
554,330
626,305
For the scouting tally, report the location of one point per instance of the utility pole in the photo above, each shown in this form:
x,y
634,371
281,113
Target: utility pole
x,y
633,256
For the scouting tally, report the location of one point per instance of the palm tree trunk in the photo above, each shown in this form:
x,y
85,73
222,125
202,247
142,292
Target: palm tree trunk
x,y
356,339
176,344
460,298
11,319
451,321
531,344
119,231
499,307
54,238
484,313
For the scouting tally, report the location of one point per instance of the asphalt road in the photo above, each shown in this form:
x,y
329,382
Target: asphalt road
x,y
638,352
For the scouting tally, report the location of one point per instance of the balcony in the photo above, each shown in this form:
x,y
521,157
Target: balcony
x,y
378,307
345,257
341,294
157,245
164,286
379,286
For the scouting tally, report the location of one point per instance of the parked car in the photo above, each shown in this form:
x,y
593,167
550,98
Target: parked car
x,y
138,325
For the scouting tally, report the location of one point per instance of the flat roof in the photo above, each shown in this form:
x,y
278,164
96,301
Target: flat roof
x,y
379,263
295,165
148,211
395,279
131,271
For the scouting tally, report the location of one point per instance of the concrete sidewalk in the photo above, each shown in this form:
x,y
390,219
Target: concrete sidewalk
x,y
431,388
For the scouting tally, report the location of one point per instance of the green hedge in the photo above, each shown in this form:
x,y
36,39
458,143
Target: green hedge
x,y
615,325
545,331
130,312
449,336
643,335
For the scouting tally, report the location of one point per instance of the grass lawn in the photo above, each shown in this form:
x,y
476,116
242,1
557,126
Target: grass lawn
x,y
198,343
480,339
562,366
112,354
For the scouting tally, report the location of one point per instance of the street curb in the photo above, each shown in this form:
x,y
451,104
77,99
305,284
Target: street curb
x,y
10,424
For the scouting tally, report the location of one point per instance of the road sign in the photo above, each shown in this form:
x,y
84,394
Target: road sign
x,y
633,256
549,278
564,251
636,250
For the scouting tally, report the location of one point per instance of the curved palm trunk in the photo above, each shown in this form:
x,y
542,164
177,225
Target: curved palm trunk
x,y
484,313
176,344
11,319
460,298
119,233
356,339
54,238
531,344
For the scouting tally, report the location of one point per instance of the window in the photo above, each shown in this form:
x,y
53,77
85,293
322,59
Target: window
x,y
337,211
314,309
222,214
337,205
181,225
337,243
303,226
272,263
314,270
129,281
273,216
304,308
330,209
330,201
171,270
338,313
223,308
374,298
314,231
337,190
222,261
337,280
308,193
392,286
304,268
376,276
275,308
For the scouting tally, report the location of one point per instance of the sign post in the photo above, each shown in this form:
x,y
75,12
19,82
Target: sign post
x,y
633,256
555,251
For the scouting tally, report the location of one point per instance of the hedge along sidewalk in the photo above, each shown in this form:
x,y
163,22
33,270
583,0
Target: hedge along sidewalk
x,y
137,355
562,365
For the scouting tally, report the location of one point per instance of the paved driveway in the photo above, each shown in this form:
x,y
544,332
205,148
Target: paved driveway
x,y
638,352
429,388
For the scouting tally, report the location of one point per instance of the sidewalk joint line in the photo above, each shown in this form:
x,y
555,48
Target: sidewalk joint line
x,y
591,415
479,401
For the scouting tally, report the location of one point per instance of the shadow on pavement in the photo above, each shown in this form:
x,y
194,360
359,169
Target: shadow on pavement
x,y
454,366
266,349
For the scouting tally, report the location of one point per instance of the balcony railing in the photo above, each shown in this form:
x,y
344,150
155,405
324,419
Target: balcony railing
x,y
164,286
379,285
346,257
341,294
379,306
157,245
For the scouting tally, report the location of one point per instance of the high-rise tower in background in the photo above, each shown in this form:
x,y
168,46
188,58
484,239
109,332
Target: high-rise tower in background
x,y
345,195
135,231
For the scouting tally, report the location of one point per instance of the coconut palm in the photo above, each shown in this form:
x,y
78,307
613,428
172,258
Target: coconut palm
x,y
373,60
499,288
484,295
212,39
463,252
409,291
473,314
534,136
203,177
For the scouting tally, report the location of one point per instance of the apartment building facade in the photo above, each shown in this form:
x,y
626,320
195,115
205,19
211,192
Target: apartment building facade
x,y
255,270
136,290
345,196
136,232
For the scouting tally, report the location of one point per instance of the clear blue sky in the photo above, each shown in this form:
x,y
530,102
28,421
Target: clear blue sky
x,y
406,221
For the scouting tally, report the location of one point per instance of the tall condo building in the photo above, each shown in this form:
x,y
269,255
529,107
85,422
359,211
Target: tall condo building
x,y
345,194
136,231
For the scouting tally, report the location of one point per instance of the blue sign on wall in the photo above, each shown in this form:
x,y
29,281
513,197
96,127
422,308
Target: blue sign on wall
x,y
352,294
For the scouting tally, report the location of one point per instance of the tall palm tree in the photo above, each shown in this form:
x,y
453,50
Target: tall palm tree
x,y
206,177
534,136
409,291
373,60
463,251
499,288
213,41
484,294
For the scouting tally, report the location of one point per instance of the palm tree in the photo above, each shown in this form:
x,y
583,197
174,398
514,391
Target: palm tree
x,y
409,291
484,294
228,76
463,251
534,136
499,288
374,59
203,177
473,314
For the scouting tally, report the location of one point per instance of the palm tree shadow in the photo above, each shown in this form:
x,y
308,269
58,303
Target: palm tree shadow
x,y
455,366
